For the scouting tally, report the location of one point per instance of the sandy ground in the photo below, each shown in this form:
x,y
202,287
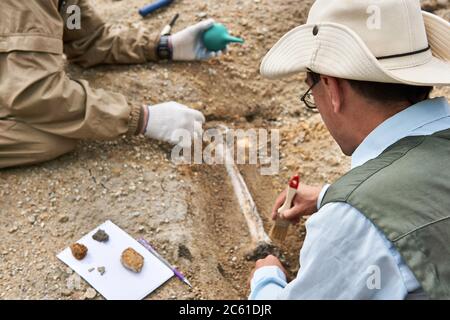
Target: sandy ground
x,y
188,211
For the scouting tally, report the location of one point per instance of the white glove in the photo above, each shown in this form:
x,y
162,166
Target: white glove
x,y
188,44
167,120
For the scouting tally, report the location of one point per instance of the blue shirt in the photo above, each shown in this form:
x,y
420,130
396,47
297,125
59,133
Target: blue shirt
x,y
344,255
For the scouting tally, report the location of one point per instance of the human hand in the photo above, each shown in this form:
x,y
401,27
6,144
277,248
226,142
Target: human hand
x,y
187,45
304,203
165,121
268,261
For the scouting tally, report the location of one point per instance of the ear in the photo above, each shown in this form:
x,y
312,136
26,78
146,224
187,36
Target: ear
x,y
334,91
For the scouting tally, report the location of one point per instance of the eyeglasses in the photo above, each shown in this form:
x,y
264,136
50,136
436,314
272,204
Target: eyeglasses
x,y
308,97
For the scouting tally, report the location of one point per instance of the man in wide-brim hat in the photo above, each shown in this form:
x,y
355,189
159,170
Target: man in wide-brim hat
x,y
382,231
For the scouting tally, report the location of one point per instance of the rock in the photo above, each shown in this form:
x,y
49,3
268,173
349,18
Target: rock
x,y
63,219
116,171
202,15
433,5
184,252
135,214
261,251
101,270
100,236
66,292
212,72
73,282
13,229
78,296
31,219
90,293
79,251
132,260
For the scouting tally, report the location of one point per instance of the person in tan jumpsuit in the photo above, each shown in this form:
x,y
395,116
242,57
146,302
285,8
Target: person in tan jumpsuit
x,y
43,113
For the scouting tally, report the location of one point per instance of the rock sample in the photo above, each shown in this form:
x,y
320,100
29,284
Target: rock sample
x,y
132,260
79,251
101,270
101,236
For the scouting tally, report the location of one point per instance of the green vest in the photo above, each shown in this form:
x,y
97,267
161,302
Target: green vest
x,y
405,192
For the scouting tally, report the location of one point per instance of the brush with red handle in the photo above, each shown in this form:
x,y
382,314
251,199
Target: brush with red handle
x,y
280,228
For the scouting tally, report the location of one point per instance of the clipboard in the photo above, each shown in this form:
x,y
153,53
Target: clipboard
x,y
117,283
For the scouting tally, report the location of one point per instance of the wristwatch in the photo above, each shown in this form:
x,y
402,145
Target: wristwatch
x,y
164,49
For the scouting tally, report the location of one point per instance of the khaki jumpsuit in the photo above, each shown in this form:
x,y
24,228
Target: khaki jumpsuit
x,y
42,111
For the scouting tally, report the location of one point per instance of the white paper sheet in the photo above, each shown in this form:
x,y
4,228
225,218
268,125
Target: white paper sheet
x,y
117,283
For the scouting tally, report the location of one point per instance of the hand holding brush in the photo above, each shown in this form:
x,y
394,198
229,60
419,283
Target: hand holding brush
x,y
296,201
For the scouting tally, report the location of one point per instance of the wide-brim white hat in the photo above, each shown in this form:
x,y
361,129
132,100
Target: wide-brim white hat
x,y
390,41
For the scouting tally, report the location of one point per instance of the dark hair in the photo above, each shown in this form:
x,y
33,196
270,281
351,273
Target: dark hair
x,y
391,92
386,92
315,77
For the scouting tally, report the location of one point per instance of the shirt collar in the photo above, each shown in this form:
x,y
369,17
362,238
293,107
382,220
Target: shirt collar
x,y
399,126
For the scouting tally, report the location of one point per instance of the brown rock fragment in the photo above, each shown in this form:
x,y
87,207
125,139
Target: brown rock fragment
x,y
79,251
132,260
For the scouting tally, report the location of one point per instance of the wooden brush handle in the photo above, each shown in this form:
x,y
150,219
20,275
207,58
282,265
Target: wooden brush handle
x,y
291,192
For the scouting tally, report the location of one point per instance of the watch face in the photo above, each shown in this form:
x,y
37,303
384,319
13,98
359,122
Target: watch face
x,y
164,51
